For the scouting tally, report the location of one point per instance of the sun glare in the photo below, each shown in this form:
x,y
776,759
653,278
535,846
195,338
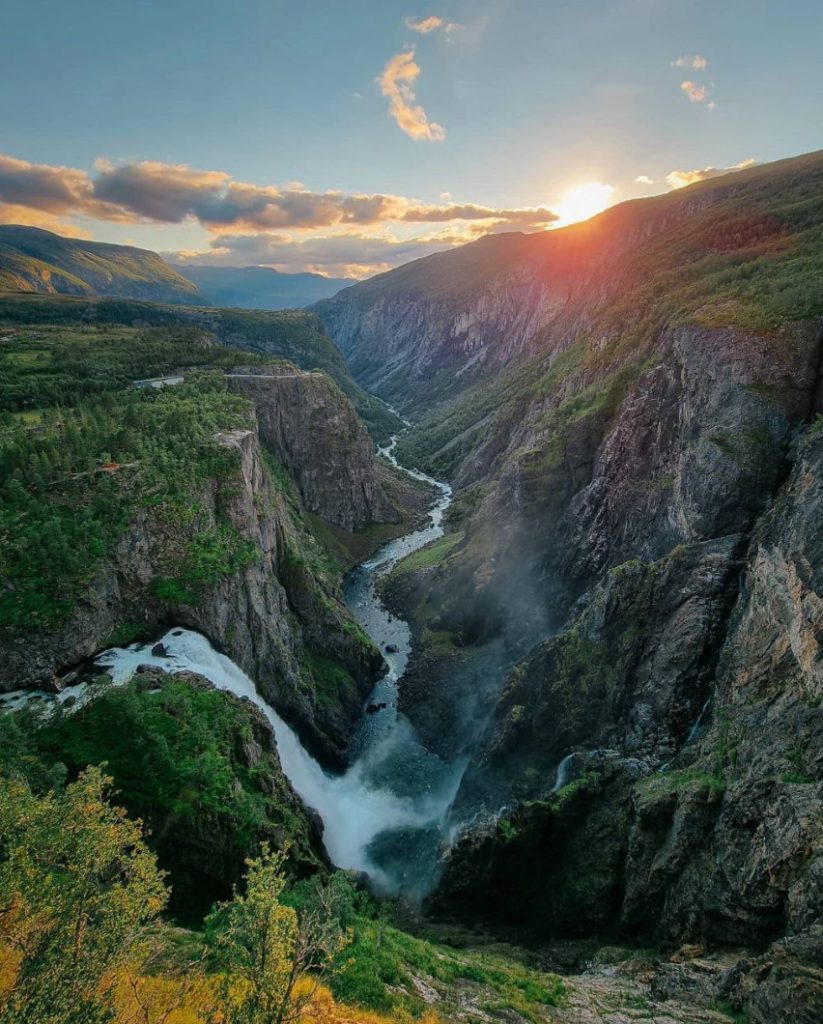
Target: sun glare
x,y
582,202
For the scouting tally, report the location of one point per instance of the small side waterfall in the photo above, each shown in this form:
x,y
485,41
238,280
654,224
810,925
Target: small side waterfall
x,y
698,722
563,772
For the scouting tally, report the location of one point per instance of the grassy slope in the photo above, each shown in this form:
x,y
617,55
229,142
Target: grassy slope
x,y
288,334
35,260
769,216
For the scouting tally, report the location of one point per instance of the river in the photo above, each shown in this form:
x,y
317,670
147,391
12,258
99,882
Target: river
x,y
387,815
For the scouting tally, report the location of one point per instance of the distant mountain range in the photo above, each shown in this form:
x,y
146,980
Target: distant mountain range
x,y
33,260
260,287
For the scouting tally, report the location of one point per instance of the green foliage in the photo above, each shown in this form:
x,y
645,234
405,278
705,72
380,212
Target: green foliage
x,y
256,935
124,634
669,782
798,758
295,335
263,944
176,756
580,664
382,961
429,556
330,681
584,783
736,1016
64,503
215,553
77,883
63,366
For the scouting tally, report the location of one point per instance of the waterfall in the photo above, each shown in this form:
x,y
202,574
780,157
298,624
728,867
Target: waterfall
x,y
561,779
387,814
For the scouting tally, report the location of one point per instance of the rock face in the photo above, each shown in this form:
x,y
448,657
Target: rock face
x,y
425,332
313,430
267,617
636,492
706,832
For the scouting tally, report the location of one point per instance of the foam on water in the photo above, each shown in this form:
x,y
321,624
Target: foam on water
x,y
387,814
354,807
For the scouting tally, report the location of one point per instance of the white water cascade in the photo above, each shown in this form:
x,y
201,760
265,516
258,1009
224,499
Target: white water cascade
x,y
386,815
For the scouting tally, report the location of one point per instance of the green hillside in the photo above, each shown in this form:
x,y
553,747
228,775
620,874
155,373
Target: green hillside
x,y
284,334
33,260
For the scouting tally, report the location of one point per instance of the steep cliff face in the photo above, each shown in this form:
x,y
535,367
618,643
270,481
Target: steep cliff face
x,y
429,331
642,516
280,616
721,845
312,428
618,556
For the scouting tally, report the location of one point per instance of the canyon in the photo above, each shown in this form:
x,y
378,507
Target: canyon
x,y
584,695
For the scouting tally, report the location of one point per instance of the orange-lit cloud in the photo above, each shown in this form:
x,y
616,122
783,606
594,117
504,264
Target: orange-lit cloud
x,y
51,189
152,192
695,61
396,82
289,227
344,255
696,93
426,25
13,214
680,179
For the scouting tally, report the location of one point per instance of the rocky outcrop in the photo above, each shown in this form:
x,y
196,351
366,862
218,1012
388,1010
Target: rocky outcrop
x,y
713,835
614,538
313,430
278,617
184,728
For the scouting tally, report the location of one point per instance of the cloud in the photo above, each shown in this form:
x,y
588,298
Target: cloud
x,y
396,83
347,255
525,217
680,179
644,179
695,61
50,189
426,25
160,192
154,192
10,213
696,93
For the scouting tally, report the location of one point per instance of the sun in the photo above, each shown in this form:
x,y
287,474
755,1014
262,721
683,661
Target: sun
x,y
582,202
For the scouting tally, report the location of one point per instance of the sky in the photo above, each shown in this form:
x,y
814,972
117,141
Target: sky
x,y
346,137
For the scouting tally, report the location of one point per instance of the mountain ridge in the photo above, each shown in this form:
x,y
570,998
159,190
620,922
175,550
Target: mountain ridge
x,y
35,260
619,631
256,287
32,259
